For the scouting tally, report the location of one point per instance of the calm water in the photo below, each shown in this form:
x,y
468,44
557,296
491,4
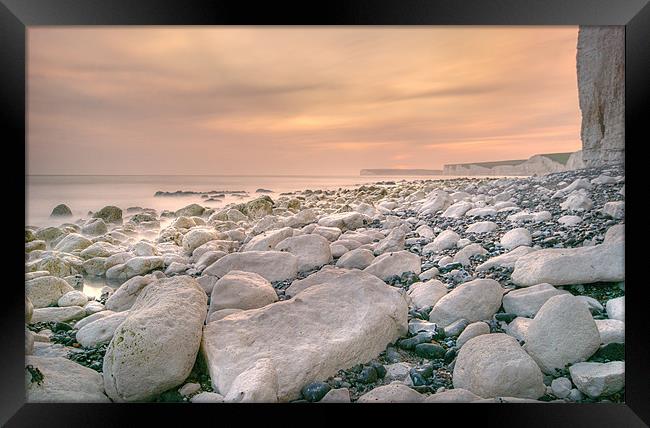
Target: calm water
x,y
83,193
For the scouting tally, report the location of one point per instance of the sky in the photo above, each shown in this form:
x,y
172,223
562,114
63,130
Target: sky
x,y
296,101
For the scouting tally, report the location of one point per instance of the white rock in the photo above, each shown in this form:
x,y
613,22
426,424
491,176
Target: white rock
x,y
482,227
73,242
616,308
577,201
458,209
392,393
463,256
268,240
580,183
359,258
393,242
525,302
93,307
456,395
565,266
190,388
569,220
494,365
444,241
312,251
241,290
63,381
481,212
398,372
329,233
524,216
73,298
197,237
518,328
516,238
272,265
561,387
217,315
389,264
563,332
345,221
611,331
46,290
614,209
207,397
471,331
598,379
330,334
340,395
474,301
505,260
155,348
425,294
93,317
124,297
326,274
439,201
429,274
134,267
258,384
100,330
58,314
425,232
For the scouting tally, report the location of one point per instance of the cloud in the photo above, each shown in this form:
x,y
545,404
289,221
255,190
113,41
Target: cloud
x,y
276,100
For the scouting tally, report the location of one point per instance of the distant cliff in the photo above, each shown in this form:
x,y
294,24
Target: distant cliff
x,y
400,172
601,77
535,165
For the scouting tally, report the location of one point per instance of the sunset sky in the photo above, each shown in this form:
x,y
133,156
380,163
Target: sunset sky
x,y
302,100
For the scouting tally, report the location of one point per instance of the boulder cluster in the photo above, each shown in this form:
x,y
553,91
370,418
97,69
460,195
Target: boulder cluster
x,y
457,290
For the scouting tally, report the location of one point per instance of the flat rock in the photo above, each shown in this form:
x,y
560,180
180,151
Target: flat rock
x,y
63,381
326,274
272,265
611,331
598,379
100,330
525,302
456,395
328,333
505,260
390,264
58,314
392,393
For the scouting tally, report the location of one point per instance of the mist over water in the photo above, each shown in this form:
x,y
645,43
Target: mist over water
x,y
84,193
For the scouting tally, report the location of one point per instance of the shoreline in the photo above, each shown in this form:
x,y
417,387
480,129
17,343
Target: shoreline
x,y
429,241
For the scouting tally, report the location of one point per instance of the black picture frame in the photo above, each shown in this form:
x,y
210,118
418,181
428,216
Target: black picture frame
x,y
17,15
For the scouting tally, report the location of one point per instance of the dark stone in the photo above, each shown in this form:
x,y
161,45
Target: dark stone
x,y
411,342
505,317
315,391
368,375
450,355
60,327
610,352
380,369
61,210
430,351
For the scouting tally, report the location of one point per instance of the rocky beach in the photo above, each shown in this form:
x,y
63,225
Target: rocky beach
x,y
453,290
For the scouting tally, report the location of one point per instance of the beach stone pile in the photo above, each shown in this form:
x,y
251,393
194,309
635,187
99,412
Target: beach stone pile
x,y
456,290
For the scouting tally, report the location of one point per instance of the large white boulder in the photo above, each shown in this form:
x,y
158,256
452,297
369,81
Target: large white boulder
x,y
463,255
312,251
359,258
390,264
332,326
494,365
505,260
155,348
272,265
46,290
73,298
135,266
197,237
611,331
525,302
475,300
73,242
563,332
564,266
241,290
447,239
63,381
55,314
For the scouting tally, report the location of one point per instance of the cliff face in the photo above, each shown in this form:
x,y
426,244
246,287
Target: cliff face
x,y
601,79
536,165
